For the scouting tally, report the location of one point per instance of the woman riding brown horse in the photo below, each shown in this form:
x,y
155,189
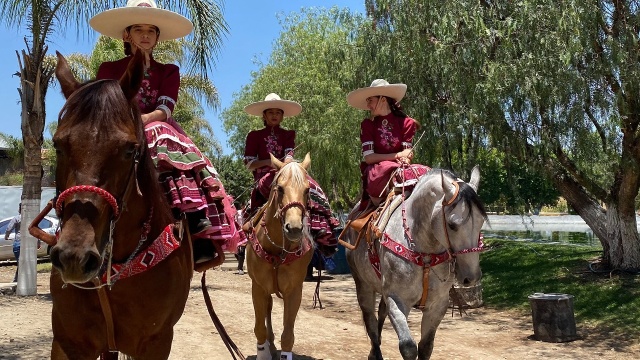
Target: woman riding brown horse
x,y
127,264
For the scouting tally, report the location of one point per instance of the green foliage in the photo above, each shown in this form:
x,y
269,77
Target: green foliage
x,y
514,270
15,150
552,85
236,178
11,178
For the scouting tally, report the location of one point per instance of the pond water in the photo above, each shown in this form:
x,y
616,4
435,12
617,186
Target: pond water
x,y
564,229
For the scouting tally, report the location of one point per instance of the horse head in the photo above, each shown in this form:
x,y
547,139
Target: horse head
x,y
99,145
456,215
288,197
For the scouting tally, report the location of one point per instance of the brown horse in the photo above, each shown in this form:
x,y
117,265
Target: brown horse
x,y
121,273
281,249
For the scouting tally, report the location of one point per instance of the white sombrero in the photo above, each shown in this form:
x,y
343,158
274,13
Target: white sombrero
x,y
379,87
273,101
113,22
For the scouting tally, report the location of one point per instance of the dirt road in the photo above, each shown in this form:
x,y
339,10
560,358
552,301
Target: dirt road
x,y
335,332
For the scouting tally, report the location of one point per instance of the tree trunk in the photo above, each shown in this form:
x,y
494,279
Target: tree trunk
x,y
623,240
33,87
617,232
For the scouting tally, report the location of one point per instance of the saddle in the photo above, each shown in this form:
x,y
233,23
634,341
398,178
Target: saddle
x,y
369,222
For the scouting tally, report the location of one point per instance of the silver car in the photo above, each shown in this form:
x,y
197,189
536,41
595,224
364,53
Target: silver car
x,y
49,224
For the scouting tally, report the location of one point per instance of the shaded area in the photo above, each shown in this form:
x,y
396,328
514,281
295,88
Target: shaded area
x,y
514,270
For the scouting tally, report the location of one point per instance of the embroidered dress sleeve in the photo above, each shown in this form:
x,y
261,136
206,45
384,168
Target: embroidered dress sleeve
x,y
289,144
168,92
409,130
251,148
367,133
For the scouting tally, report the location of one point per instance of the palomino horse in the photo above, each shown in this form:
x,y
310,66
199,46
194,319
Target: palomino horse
x,y
421,244
281,249
121,273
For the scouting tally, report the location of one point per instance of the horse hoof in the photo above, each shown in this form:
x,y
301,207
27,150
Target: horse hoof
x,y
264,353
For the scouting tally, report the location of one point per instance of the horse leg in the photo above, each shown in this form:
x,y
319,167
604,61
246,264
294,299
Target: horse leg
x,y
383,311
367,301
398,312
270,336
292,302
431,318
262,303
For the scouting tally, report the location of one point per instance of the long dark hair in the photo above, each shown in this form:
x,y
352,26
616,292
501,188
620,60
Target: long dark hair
x,y
396,108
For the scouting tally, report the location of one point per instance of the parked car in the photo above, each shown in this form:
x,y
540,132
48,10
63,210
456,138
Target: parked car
x,y
49,224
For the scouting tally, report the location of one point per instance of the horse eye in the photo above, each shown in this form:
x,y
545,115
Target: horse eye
x,y
280,190
131,150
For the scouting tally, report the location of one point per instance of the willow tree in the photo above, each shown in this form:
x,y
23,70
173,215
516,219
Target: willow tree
x,y
315,47
43,18
554,84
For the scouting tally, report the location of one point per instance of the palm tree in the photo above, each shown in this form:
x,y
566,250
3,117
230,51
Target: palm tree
x,y
43,18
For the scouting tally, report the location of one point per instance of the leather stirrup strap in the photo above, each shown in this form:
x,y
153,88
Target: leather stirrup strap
x,y
425,286
345,243
108,315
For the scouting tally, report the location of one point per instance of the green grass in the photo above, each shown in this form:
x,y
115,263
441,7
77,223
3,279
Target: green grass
x,y
514,270
44,267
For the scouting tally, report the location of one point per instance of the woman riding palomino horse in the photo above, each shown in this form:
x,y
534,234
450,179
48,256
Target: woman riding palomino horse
x,y
191,184
279,251
127,263
274,140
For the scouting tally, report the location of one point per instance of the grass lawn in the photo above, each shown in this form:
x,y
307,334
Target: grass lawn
x,y
514,270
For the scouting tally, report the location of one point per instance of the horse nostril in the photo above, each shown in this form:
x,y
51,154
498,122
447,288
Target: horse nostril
x,y
55,259
287,227
91,262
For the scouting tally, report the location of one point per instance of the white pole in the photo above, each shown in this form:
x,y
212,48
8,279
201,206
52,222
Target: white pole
x,y
27,285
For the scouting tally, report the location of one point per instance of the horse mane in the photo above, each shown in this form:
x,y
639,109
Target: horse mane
x,y
103,100
296,173
465,193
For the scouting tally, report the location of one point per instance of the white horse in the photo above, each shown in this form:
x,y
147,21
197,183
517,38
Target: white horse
x,y
421,244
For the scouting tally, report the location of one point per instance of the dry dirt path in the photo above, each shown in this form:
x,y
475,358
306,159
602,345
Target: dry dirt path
x,y
335,332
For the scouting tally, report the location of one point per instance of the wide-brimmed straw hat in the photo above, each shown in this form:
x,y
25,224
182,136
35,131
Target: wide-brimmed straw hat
x,y
379,87
113,22
273,101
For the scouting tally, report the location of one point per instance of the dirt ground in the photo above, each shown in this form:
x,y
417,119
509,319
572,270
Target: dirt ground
x,y
334,332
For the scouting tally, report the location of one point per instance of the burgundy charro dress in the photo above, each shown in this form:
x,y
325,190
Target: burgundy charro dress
x,y
387,135
190,181
281,143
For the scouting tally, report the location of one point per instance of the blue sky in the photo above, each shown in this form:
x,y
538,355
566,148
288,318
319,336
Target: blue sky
x,y
253,27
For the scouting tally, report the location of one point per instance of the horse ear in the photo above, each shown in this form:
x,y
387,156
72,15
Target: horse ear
x,y
68,82
475,178
277,163
306,162
132,78
447,187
